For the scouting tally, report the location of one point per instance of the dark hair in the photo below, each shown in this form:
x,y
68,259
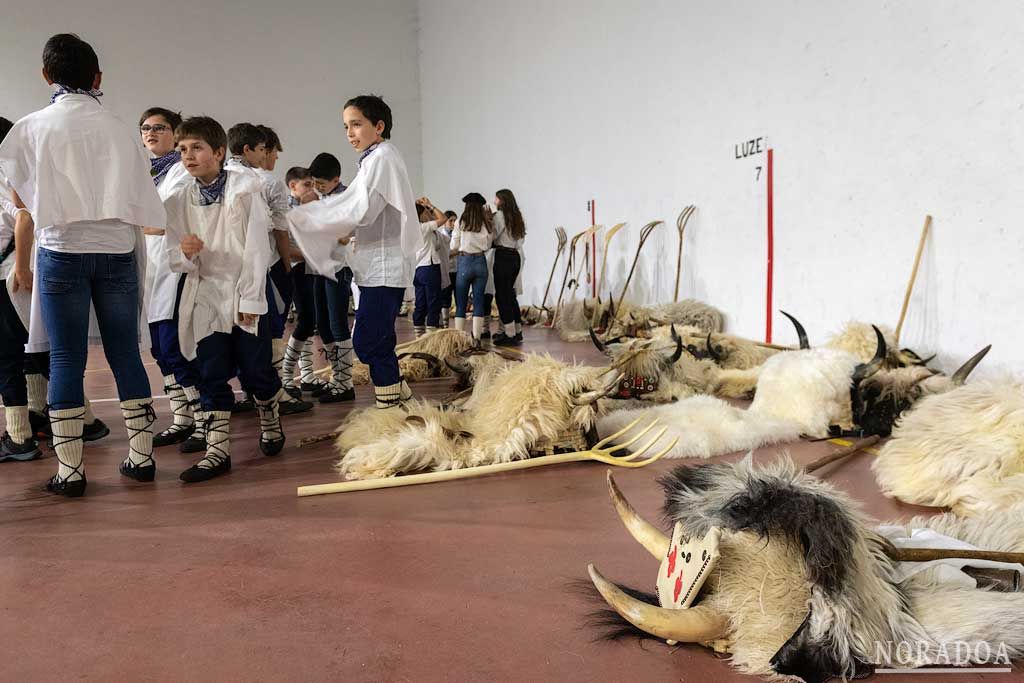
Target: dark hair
x,y
270,138
202,128
296,173
5,128
242,134
474,218
173,118
451,214
325,166
70,61
510,211
375,110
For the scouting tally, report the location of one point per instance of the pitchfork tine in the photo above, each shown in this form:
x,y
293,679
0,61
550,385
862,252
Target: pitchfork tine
x,y
606,440
637,437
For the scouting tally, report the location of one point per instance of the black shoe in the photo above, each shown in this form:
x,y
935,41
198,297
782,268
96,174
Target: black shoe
x,y
519,337
138,472
40,424
22,452
294,392
172,435
197,473
193,444
272,447
315,388
335,396
95,431
244,406
508,341
293,407
486,334
63,487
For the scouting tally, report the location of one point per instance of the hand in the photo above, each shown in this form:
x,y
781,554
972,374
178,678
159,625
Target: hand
x,y
308,196
23,280
191,245
423,201
248,319
344,240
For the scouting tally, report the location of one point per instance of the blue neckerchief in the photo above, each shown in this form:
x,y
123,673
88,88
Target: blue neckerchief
x,y
59,90
161,165
212,193
368,151
293,201
241,160
338,189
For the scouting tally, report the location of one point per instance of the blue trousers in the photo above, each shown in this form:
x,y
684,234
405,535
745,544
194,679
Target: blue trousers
x,y
304,286
166,349
221,356
374,338
336,295
68,283
13,337
281,281
472,273
427,283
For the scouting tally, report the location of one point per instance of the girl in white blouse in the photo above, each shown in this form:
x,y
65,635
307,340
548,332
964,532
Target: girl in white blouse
x,y
509,232
471,238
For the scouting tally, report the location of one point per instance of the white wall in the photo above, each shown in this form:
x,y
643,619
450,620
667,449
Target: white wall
x,y
879,112
290,65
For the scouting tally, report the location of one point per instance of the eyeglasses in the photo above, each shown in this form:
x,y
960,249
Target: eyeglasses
x,y
158,128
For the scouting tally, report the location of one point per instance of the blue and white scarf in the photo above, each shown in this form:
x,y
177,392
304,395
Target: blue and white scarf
x,y
59,90
338,189
161,165
368,151
212,193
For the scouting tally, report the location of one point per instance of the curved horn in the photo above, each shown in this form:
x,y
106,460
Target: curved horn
x,y
692,625
679,347
711,351
645,533
594,396
865,370
459,366
597,342
430,359
801,333
416,420
960,376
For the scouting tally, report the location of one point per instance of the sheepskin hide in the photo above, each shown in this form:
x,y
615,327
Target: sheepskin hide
x,y
705,426
858,338
526,403
440,343
963,449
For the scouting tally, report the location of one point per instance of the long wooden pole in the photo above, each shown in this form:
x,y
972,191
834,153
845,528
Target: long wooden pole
x,y
913,275
840,454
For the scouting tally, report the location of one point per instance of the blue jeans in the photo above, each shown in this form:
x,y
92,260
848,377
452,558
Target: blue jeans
x,y
427,283
472,273
68,283
374,339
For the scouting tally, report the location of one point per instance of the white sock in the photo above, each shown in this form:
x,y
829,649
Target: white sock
x,y
306,363
66,426
218,439
278,356
201,418
431,330
181,406
138,420
389,396
342,365
404,392
478,327
270,418
519,328
37,386
460,324
487,324
17,423
89,417
510,330
418,331
292,353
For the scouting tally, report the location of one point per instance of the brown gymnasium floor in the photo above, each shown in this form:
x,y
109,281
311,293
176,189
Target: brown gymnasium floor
x,y
237,579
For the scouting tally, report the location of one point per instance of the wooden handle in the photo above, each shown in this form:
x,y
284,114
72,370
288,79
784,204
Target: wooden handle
x,y
913,275
930,554
840,454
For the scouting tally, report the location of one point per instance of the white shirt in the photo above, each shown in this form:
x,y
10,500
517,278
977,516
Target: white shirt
x,y
272,199
428,254
379,209
229,275
8,214
471,242
502,238
161,281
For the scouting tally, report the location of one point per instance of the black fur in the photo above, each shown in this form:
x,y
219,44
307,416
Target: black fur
x,y
801,656
605,621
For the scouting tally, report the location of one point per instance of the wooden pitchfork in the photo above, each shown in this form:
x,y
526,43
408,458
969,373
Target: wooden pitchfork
x,y
604,259
681,222
568,266
562,240
645,232
599,452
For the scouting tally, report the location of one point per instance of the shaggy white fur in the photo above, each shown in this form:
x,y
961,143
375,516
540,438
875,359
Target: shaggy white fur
x,y
705,426
963,449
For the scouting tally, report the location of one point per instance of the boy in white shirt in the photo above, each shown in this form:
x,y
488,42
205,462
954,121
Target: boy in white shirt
x,y
378,208
217,229
85,178
431,269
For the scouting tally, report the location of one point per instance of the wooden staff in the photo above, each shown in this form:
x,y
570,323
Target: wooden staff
x,y
568,267
681,222
604,260
645,232
913,275
601,452
562,240
843,453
